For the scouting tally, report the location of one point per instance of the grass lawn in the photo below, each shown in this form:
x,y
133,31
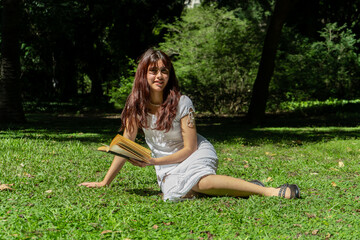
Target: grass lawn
x,y
46,158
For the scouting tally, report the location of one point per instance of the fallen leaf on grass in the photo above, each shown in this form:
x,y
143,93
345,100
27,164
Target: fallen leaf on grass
x,y
155,226
28,175
310,215
209,235
269,179
270,154
333,184
49,191
4,187
315,232
341,164
169,223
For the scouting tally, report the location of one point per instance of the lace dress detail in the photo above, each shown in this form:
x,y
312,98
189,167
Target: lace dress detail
x,y
176,180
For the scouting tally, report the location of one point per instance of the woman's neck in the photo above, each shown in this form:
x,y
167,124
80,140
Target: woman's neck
x,y
156,99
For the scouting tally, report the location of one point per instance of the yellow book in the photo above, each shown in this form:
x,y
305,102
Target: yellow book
x,y
126,148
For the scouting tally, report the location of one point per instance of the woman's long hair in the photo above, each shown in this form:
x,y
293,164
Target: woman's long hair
x,y
135,110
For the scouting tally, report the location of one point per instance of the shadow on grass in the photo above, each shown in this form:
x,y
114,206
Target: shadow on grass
x,y
290,128
84,128
144,192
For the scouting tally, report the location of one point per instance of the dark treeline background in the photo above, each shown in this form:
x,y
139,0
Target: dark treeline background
x,y
67,43
86,51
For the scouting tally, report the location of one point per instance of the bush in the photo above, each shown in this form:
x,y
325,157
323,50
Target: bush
x,y
215,57
120,87
318,70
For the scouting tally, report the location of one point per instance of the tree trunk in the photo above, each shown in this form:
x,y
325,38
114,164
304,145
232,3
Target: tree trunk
x,y
260,93
10,98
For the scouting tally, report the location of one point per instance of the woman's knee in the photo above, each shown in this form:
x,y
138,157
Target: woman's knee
x,y
205,183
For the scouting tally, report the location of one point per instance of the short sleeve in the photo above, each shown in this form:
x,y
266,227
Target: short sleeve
x,y
185,106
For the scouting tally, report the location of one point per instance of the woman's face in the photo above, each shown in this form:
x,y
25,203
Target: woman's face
x,y
157,76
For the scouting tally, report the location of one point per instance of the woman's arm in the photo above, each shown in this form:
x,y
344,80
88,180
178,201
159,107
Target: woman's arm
x,y
188,131
115,167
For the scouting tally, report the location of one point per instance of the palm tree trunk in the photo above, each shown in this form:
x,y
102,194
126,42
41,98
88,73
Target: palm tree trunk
x,y
10,99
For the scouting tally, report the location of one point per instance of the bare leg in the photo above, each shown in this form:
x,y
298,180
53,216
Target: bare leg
x,y
221,185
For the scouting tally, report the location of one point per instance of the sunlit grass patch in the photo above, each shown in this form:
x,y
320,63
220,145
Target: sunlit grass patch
x,y
46,162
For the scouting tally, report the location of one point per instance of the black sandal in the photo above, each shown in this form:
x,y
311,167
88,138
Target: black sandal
x,y
294,190
257,182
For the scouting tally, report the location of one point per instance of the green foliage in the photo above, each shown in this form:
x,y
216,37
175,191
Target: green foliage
x,y
346,109
329,68
303,105
48,157
255,11
121,87
338,61
71,48
216,56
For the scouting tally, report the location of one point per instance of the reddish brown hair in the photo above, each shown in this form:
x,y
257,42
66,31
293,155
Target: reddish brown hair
x,y
135,110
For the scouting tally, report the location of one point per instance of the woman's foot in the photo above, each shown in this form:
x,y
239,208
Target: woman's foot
x,y
289,191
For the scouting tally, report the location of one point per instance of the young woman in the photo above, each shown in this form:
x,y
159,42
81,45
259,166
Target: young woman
x,y
185,162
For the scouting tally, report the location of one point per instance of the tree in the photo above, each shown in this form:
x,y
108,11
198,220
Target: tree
x,y
267,63
214,54
10,100
72,47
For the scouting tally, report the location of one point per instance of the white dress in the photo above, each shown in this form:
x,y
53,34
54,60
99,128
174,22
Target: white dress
x,y
176,180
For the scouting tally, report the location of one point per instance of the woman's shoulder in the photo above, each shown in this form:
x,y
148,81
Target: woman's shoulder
x,y
185,106
185,100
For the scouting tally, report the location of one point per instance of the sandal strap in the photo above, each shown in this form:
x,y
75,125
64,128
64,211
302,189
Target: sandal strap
x,y
283,190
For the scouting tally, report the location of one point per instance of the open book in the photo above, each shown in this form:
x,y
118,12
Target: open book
x,y
126,148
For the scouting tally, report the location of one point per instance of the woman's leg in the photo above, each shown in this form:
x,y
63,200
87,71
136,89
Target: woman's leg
x,y
221,185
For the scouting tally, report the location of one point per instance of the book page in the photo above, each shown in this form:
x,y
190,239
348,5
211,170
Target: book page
x,y
126,148
131,146
117,150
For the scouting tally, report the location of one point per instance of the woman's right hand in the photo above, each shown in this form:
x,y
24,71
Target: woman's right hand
x,y
138,163
92,184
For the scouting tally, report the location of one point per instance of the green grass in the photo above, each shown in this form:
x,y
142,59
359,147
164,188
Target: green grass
x,y
46,158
